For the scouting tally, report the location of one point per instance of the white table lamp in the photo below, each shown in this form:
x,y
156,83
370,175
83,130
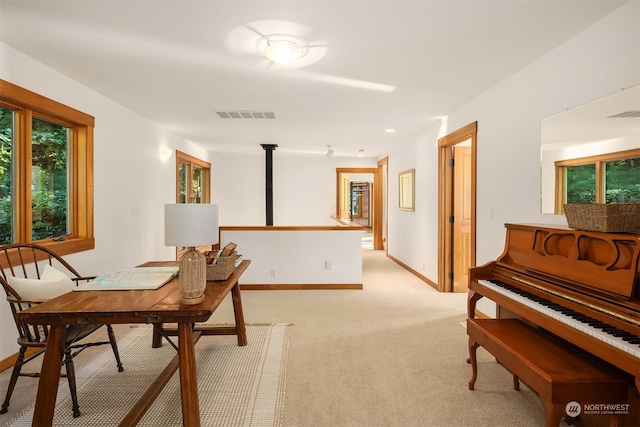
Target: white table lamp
x,y
191,225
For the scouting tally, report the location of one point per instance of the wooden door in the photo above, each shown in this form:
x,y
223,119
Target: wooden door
x,y
462,212
448,169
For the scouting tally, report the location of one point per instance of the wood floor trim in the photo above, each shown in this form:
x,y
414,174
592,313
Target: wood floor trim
x,y
9,361
414,272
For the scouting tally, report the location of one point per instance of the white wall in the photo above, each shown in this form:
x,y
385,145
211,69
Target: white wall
x,y
299,257
128,173
128,170
304,187
413,236
597,62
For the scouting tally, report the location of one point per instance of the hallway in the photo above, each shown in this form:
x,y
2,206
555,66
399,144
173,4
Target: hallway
x,y
367,240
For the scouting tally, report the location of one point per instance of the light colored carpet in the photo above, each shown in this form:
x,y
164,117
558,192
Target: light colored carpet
x,y
390,355
238,386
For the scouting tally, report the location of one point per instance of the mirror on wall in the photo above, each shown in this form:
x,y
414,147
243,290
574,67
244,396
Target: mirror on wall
x,y
594,130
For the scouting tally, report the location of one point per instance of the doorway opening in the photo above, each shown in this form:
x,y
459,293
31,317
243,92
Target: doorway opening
x,y
358,199
360,208
457,208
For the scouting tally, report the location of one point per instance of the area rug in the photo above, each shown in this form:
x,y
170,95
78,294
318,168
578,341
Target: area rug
x,y
238,386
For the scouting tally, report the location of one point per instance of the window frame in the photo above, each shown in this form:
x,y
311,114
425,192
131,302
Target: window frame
x,y
27,105
599,160
191,162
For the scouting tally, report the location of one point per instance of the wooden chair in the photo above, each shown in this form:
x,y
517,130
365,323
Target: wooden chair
x,y
29,268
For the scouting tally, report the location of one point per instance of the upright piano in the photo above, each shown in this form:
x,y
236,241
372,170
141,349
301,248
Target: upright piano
x,y
583,287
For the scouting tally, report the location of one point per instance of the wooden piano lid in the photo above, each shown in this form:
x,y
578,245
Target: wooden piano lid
x,y
606,262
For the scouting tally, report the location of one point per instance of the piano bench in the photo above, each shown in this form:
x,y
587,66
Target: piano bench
x,y
558,372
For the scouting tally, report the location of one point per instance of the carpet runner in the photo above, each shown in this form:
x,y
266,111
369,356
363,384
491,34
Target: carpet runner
x,y
238,386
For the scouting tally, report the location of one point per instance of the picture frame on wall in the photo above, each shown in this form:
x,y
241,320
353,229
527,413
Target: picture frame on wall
x,y
406,190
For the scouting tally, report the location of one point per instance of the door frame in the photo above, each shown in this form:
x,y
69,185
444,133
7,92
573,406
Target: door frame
x,y
381,210
376,224
445,201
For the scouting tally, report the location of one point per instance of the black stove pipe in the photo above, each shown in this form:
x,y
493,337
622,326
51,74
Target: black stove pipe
x,y
269,149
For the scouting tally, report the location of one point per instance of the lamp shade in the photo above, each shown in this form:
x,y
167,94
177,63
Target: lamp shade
x,y
190,224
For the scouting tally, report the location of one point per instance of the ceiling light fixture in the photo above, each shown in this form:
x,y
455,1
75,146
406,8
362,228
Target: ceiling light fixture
x,y
282,51
329,151
390,130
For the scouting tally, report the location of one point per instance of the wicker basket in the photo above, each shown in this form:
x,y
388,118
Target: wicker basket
x,y
605,218
223,268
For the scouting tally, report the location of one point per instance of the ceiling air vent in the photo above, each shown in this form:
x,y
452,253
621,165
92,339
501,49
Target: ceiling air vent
x,y
244,114
631,113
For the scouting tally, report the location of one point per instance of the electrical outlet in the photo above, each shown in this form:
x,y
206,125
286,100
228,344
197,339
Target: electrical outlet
x,y
272,273
328,265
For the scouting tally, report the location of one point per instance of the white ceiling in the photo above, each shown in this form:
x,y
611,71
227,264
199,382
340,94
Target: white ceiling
x,y
179,62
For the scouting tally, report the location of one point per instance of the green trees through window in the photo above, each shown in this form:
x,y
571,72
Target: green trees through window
x,y
6,175
49,147
610,178
49,178
581,184
622,181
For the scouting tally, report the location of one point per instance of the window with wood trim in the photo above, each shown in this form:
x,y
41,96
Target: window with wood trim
x,y
46,172
193,183
193,179
606,178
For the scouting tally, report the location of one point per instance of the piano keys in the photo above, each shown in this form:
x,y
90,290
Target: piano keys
x,y
604,332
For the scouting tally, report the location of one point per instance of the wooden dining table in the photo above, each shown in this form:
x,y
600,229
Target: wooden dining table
x,y
157,307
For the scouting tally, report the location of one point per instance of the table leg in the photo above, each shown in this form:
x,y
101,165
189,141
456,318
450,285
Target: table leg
x,y
156,341
188,378
49,377
241,330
